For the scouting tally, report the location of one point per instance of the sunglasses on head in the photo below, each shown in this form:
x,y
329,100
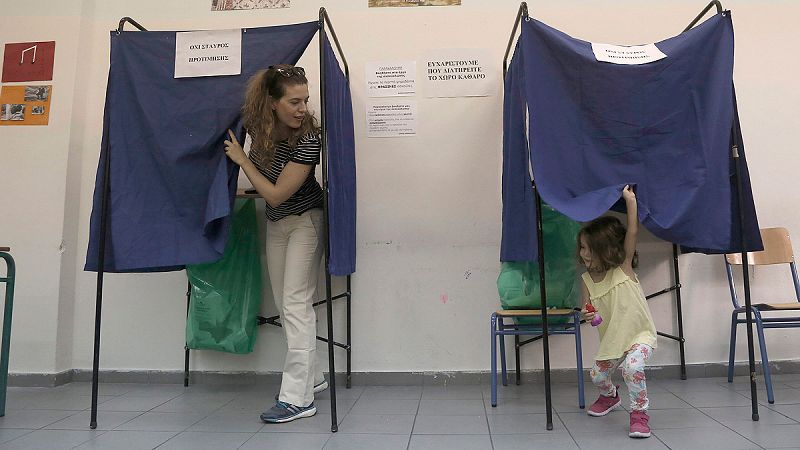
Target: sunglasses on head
x,y
289,72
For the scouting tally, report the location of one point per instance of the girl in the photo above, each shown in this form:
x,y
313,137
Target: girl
x,y
285,149
627,332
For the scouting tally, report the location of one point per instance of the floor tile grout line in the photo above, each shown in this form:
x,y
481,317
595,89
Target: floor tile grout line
x,y
486,415
22,435
247,440
727,427
567,428
414,424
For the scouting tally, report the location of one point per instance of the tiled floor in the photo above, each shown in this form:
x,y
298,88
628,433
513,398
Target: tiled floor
x,y
706,413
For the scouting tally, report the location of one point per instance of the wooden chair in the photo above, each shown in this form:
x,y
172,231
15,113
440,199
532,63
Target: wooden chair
x,y
499,329
777,250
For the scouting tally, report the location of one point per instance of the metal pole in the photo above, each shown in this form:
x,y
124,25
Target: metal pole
x,y
522,13
681,340
101,261
543,293
703,13
328,294
186,345
348,384
736,134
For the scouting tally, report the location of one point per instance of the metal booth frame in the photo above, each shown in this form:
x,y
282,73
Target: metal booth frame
x,y
522,14
323,22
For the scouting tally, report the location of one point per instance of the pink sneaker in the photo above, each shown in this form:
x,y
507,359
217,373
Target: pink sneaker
x,y
639,426
604,405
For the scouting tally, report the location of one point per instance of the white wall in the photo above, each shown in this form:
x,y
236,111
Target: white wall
x,y
428,206
33,173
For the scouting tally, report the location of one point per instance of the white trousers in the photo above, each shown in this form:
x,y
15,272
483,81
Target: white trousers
x,y
294,257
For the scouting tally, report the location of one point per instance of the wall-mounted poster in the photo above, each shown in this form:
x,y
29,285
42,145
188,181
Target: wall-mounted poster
x,y
397,118
406,3
25,105
228,5
391,79
468,72
28,61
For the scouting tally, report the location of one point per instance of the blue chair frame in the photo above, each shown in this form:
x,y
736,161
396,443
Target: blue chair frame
x,y
7,310
499,329
777,250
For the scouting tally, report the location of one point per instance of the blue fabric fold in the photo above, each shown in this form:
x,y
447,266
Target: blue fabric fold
x,y
172,187
519,208
663,126
340,144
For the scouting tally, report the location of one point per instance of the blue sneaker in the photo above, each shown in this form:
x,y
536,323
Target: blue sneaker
x,y
284,412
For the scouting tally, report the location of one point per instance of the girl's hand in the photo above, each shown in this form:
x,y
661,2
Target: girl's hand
x,y
627,193
587,315
234,150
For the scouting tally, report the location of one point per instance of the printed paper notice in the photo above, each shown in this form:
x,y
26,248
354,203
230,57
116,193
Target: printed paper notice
x,y
395,119
208,53
391,79
628,55
459,73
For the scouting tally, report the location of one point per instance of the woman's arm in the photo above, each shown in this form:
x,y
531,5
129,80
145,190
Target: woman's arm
x,y
289,181
633,226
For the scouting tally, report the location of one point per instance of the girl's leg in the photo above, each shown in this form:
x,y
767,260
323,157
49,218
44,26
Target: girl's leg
x,y
601,376
302,265
633,374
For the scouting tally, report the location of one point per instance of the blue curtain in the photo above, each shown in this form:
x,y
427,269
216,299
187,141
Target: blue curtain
x,y
665,127
341,166
172,186
519,207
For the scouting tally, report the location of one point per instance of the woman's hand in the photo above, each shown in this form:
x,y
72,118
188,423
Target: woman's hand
x,y
234,150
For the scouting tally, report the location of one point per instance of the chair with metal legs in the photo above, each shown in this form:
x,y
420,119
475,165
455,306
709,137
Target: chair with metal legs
x,y
9,304
777,250
569,324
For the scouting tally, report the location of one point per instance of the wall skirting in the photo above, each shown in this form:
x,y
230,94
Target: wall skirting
x,y
372,378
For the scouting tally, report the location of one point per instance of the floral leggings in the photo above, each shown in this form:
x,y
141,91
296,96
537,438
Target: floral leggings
x,y
632,364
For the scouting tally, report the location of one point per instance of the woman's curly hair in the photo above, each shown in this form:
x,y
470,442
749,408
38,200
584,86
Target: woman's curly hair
x,y
265,87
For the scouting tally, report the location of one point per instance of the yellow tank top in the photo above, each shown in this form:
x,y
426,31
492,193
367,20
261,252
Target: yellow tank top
x,y
626,317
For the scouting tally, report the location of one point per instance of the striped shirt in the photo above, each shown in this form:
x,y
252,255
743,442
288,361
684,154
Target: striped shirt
x,y
310,193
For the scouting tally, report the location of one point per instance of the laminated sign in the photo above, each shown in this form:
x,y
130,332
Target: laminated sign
x,y
208,53
627,55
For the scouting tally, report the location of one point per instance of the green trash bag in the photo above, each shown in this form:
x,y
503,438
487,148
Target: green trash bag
x,y
226,294
518,282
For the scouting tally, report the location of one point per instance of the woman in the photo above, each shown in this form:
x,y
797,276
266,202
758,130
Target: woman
x,y
284,151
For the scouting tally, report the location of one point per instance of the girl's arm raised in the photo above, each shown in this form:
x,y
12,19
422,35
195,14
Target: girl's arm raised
x,y
633,227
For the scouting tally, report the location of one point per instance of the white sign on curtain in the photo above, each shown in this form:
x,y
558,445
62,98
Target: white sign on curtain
x,y
208,53
627,55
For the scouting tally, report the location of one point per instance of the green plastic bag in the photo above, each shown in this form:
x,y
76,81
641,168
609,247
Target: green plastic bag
x,y
518,282
226,294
